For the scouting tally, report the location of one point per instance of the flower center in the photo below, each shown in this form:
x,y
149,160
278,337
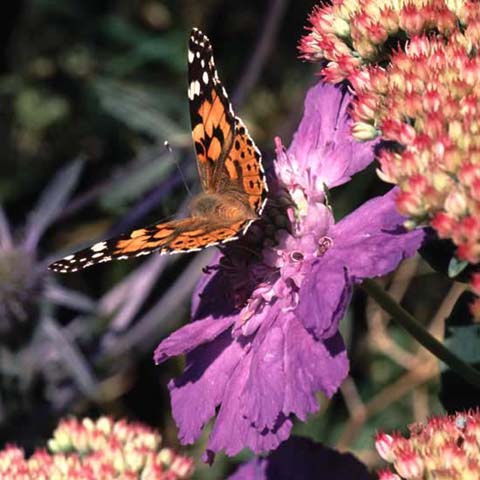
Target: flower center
x,y
296,256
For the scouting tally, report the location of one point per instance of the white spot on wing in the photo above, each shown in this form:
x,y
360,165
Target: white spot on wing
x,y
98,247
211,244
191,56
231,239
194,89
205,78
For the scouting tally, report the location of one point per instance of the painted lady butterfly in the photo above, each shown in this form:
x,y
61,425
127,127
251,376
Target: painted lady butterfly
x,y
230,169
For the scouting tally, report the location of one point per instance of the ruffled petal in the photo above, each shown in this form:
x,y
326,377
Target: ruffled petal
x,y
311,366
264,388
324,296
232,431
372,241
201,388
323,140
191,336
288,368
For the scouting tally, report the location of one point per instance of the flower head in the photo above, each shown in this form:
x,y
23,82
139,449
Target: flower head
x,y
23,282
264,337
446,447
105,449
350,35
423,96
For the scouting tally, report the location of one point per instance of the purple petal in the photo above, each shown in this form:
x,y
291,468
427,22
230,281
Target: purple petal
x,y
232,431
201,388
323,140
191,336
371,241
302,459
264,389
288,368
311,366
324,296
209,275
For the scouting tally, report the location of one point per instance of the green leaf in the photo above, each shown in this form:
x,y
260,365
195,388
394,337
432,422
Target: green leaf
x,y
144,47
37,110
455,267
142,109
462,337
465,342
440,255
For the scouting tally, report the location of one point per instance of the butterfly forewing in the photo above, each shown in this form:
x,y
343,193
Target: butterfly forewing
x,y
211,113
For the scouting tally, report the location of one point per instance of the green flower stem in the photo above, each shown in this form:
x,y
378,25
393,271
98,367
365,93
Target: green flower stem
x,y
411,325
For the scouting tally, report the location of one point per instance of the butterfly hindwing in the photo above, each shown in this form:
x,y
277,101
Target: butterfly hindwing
x,y
244,170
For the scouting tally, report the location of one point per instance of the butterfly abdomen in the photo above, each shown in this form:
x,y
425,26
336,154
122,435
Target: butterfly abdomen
x,y
222,207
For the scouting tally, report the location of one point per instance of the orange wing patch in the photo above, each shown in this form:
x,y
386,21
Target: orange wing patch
x,y
213,133
188,234
243,164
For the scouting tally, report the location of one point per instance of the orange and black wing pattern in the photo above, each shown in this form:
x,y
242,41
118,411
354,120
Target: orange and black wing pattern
x,y
184,235
227,157
211,113
243,170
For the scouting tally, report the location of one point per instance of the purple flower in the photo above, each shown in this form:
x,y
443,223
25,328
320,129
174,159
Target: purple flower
x,y
302,459
264,337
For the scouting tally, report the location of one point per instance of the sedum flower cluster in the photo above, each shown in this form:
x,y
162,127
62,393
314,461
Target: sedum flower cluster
x,y
350,35
101,449
446,448
423,97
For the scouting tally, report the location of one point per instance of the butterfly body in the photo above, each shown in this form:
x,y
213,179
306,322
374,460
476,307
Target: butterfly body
x,y
230,170
223,207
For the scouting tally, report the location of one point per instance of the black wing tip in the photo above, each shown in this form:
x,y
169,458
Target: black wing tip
x,y
59,268
197,37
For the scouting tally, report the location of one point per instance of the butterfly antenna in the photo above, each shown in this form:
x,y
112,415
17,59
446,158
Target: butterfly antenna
x,y
169,148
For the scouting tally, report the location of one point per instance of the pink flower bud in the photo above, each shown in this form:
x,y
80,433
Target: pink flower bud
x,y
409,464
384,444
387,475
